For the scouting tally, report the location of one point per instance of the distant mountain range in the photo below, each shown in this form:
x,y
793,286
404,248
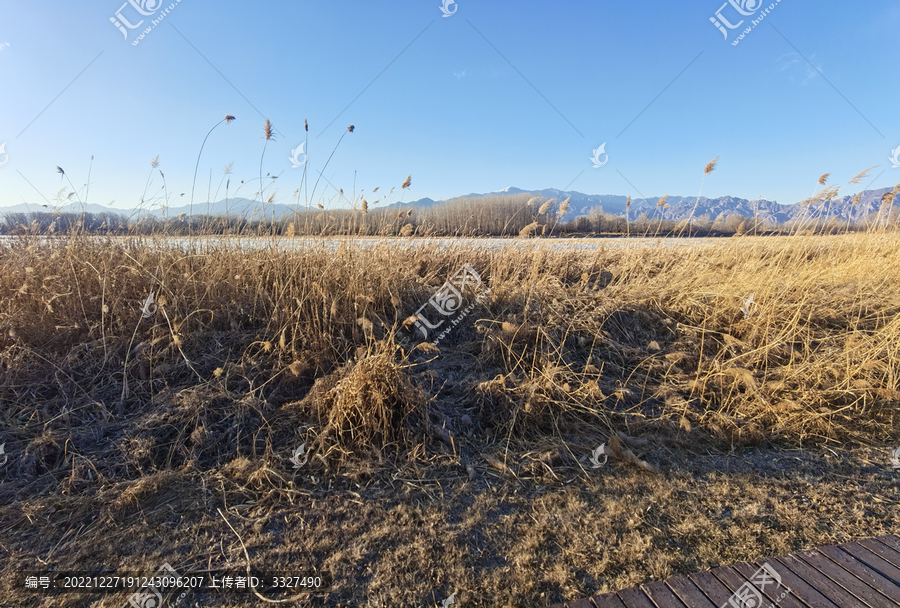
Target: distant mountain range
x,y
580,204
680,207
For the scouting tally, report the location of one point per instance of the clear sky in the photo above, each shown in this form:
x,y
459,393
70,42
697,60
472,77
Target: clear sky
x,y
512,93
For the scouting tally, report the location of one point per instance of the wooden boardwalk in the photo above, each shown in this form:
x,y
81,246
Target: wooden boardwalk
x,y
862,574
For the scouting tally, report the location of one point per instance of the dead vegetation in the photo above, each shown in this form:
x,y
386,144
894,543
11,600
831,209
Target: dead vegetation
x,y
121,412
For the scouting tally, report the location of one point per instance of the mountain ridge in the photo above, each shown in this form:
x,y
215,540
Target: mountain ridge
x,y
676,208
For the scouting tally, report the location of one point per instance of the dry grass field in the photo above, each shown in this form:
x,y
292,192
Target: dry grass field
x,y
139,432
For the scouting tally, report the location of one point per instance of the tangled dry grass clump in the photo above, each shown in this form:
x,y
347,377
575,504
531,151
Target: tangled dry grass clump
x,y
368,402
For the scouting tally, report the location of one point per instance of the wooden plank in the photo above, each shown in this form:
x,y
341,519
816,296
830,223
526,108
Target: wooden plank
x,y
661,595
819,581
887,586
711,587
883,552
635,598
730,578
847,580
800,588
607,600
863,574
886,552
772,591
891,540
689,593
873,560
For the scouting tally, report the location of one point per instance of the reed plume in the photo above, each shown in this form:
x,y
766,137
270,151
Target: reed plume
x,y
627,211
267,132
853,204
661,204
709,168
823,179
303,178
528,230
154,164
887,201
350,129
561,212
862,175
857,179
227,120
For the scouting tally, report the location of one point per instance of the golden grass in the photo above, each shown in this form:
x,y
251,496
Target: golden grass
x,y
817,361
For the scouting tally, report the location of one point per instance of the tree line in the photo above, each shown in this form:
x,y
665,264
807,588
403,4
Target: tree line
x,y
487,216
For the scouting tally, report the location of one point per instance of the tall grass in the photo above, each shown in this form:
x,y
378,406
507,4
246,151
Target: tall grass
x,y
573,333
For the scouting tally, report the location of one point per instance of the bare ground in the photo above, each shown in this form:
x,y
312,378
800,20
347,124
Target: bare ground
x,y
414,536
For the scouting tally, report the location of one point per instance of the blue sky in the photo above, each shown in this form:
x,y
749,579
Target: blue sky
x,y
513,93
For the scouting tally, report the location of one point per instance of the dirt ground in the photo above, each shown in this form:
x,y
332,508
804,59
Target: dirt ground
x,y
414,535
